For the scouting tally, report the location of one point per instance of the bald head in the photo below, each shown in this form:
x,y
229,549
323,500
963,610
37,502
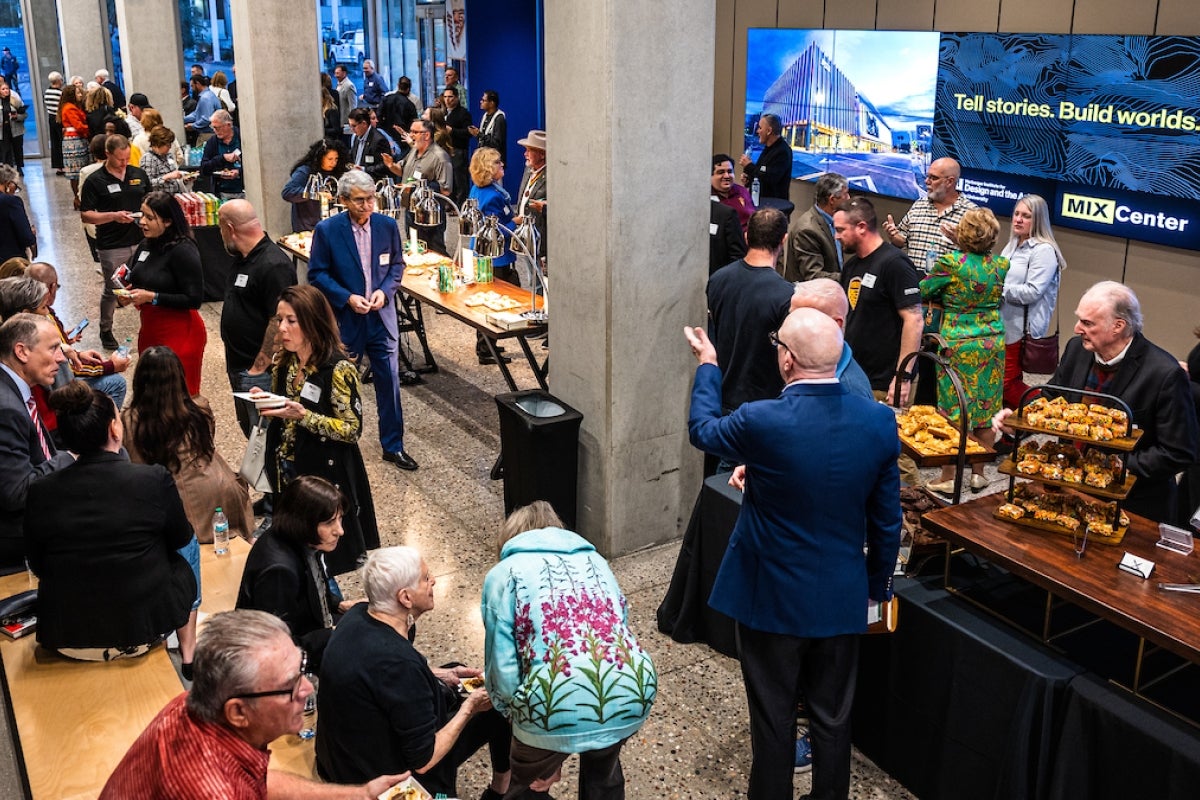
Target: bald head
x,y
824,295
814,345
240,227
41,271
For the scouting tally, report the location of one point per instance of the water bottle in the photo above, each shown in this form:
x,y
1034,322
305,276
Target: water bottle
x,y
220,533
754,188
124,350
309,729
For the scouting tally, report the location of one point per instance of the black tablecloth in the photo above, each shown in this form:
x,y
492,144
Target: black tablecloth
x,y
1115,746
684,614
215,261
955,704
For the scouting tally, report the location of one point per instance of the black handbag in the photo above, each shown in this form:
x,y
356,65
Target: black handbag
x,y
1039,356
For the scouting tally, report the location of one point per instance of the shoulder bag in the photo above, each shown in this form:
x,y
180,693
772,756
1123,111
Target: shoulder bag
x,y
1039,356
254,462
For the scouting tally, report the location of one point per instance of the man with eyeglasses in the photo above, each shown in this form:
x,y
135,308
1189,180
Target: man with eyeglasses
x,y
367,144
357,263
927,229
223,157
728,193
250,688
425,161
821,467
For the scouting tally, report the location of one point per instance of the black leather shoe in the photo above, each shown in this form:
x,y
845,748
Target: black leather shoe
x,y
401,459
490,359
108,341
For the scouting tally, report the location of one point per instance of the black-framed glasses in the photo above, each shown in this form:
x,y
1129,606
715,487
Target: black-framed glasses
x,y
773,336
293,693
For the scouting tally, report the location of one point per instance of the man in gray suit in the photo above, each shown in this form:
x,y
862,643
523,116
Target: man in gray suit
x,y
30,353
812,250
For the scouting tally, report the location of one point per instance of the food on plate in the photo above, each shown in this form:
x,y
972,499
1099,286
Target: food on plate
x,y
471,684
1092,421
1011,511
929,433
1030,466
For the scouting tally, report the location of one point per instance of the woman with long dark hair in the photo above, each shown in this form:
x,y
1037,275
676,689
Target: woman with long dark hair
x,y
327,158
316,431
168,285
164,424
107,539
285,572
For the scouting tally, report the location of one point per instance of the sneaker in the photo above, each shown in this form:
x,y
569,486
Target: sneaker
x,y
804,755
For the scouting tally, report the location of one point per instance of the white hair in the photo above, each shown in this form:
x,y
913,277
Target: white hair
x,y
387,571
101,75
55,77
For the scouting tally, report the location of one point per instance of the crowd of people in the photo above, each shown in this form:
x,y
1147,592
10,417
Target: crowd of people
x,y
809,321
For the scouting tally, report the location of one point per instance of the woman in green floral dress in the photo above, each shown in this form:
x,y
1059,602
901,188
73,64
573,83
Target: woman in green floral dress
x,y
969,283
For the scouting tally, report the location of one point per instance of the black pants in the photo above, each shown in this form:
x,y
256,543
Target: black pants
x,y
488,727
56,156
778,670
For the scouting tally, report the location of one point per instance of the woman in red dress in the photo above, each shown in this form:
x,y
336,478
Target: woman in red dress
x,y
167,285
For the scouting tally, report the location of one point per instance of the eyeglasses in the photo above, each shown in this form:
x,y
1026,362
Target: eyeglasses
x,y
293,693
773,337
368,200
931,178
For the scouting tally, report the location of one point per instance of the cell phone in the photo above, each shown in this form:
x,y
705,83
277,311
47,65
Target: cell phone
x,y
78,329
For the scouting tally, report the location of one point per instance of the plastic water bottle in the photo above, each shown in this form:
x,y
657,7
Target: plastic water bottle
x,y
309,729
755,186
124,350
220,533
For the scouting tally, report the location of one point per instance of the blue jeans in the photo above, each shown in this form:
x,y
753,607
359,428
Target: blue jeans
x,y
113,385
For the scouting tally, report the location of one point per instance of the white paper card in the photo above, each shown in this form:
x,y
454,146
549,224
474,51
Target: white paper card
x,y
713,228
311,392
240,280
1142,567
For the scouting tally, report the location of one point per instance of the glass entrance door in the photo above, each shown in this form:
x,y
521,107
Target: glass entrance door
x,y
431,48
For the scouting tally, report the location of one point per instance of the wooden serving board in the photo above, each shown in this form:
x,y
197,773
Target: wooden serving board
x,y
1123,444
1049,527
1113,492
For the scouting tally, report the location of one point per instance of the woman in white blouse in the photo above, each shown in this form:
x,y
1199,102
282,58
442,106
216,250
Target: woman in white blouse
x,y
1030,287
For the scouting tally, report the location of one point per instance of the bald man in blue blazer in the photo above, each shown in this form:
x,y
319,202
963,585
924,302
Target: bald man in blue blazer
x,y
821,482
357,262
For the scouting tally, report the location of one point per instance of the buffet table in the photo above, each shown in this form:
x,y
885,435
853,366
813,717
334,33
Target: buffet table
x,y
1166,620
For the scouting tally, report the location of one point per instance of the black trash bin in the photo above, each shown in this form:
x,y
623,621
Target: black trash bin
x,y
539,446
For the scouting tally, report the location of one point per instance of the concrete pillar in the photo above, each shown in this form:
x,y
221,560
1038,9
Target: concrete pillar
x,y
152,56
46,56
84,37
629,121
279,98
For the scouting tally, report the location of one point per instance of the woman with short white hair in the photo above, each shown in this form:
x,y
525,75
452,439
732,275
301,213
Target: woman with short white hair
x,y
380,703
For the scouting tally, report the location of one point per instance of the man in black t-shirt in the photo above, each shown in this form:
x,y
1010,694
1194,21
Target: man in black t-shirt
x,y
885,320
747,301
108,199
774,165
885,297
260,272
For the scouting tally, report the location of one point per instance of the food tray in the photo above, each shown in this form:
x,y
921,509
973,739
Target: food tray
x,y
1009,467
1049,527
927,460
1123,444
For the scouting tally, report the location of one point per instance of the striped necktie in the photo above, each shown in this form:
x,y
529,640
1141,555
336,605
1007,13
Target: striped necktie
x,y
37,425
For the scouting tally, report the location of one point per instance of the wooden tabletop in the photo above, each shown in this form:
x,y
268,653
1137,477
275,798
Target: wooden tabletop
x,y
424,288
1169,619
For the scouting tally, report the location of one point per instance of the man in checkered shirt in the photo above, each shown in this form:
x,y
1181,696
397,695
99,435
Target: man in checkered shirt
x,y
926,230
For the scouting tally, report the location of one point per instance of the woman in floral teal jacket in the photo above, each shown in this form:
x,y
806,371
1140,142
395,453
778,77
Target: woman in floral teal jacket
x,y
561,662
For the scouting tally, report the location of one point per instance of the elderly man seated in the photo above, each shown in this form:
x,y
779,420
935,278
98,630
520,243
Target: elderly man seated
x,y
249,690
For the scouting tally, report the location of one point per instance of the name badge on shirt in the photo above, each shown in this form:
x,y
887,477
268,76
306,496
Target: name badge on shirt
x,y
114,188
868,281
416,174
507,210
385,259
240,281
142,256
712,229
368,159
311,392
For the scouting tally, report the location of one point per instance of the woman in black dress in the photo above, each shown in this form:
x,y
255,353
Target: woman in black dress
x,y
316,431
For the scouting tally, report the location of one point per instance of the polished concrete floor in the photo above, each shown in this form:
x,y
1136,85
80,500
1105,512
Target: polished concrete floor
x,y
696,742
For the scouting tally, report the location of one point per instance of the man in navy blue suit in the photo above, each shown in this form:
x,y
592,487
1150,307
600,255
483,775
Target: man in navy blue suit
x,y
356,261
821,481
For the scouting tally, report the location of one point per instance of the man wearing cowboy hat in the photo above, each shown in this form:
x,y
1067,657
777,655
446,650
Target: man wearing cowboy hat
x,y
531,198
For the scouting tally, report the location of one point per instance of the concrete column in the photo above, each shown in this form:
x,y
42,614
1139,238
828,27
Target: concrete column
x,y
629,121
279,100
84,37
152,55
46,56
